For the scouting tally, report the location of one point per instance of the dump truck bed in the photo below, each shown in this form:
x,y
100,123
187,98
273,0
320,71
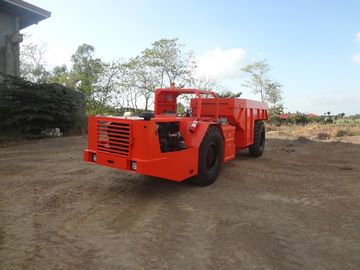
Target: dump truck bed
x,y
238,112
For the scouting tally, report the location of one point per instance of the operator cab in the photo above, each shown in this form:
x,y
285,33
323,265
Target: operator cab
x,y
175,102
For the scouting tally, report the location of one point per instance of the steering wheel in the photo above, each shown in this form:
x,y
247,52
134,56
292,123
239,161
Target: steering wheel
x,y
187,112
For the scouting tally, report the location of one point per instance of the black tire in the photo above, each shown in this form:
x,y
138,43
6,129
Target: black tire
x,y
211,155
257,148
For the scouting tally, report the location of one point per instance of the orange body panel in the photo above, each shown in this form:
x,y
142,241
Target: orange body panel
x,y
229,142
240,113
118,142
144,148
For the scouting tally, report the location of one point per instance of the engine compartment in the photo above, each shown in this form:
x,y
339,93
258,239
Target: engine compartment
x,y
170,138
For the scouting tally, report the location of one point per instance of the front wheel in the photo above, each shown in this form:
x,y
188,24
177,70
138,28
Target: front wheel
x,y
211,154
257,148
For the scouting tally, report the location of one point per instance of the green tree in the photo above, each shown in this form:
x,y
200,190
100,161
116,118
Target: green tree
x,y
144,77
275,113
299,119
32,62
258,72
164,62
85,74
61,75
210,84
273,93
170,61
180,108
86,69
228,94
206,83
107,94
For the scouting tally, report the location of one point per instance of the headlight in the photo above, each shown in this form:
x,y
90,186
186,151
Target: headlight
x,y
93,157
133,165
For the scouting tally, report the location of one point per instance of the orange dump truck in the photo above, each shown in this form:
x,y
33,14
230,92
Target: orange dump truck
x,y
177,147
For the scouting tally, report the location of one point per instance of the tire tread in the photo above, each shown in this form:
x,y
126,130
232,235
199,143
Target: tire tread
x,y
256,149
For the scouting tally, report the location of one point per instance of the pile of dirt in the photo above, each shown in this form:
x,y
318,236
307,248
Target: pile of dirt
x,y
322,136
302,139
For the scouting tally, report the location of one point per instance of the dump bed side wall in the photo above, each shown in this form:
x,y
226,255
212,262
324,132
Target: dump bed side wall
x,y
244,125
241,113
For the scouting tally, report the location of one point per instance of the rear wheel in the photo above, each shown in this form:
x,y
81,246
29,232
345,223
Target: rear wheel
x,y
257,148
211,154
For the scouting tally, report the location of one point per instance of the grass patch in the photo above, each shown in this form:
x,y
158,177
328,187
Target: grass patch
x,y
313,130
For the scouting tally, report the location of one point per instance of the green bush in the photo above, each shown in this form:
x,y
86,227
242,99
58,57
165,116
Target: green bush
x,y
27,109
274,115
317,119
298,119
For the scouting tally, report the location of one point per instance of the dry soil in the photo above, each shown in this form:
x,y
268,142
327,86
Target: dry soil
x,y
297,207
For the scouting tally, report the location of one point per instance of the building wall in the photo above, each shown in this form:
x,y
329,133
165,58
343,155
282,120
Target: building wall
x,y
9,44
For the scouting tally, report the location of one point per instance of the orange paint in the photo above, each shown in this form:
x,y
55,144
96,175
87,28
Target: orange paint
x,y
117,141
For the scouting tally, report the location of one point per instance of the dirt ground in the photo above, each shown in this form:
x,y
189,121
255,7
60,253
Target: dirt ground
x,y
297,207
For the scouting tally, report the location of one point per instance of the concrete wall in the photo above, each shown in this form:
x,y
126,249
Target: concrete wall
x,y
9,44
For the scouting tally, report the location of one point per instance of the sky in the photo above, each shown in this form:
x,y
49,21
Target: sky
x,y
313,47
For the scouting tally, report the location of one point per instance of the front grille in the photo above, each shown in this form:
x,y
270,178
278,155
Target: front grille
x,y
114,138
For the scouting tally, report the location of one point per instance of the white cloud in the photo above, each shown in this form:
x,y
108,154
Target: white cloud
x,y
356,59
221,64
357,37
347,102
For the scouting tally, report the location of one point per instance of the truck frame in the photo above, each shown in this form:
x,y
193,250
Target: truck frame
x,y
176,147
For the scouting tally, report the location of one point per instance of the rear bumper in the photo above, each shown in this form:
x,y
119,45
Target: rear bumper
x,y
175,166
